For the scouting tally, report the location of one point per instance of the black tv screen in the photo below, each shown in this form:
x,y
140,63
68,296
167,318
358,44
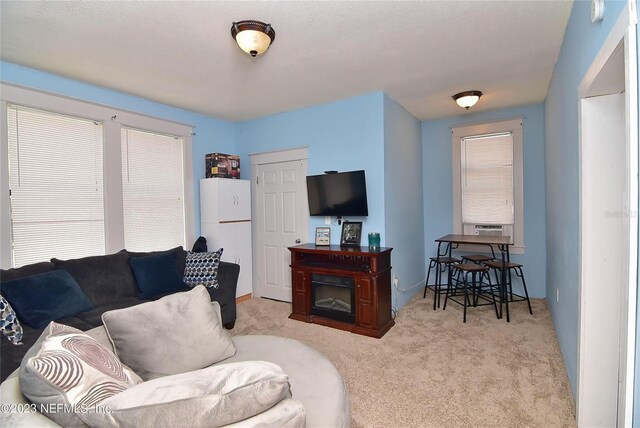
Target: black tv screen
x,y
338,194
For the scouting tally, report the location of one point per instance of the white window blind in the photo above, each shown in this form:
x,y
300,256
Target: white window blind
x,y
153,190
55,175
487,179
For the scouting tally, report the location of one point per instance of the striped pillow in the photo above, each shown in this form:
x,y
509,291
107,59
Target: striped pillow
x,y
72,370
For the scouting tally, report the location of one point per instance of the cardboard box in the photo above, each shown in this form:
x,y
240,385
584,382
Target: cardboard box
x,y
222,165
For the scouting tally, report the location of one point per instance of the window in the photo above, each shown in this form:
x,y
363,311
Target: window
x,y
152,190
487,180
486,169
55,174
80,179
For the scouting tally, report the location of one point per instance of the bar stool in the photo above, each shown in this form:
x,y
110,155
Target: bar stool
x,y
498,267
441,264
477,258
478,287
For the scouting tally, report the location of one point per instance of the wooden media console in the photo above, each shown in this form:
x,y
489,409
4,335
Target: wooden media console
x,y
348,288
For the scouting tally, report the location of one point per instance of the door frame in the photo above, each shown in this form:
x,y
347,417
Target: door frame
x,y
264,158
623,31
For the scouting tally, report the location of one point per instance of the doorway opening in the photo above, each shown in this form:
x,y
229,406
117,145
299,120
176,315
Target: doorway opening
x,y
608,106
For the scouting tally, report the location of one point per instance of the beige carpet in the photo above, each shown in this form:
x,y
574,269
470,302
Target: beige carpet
x,y
431,370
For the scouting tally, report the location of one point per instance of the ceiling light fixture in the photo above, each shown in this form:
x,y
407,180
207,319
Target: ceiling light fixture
x,y
253,37
467,99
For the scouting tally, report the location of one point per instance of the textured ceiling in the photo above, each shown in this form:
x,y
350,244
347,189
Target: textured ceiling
x,y
181,52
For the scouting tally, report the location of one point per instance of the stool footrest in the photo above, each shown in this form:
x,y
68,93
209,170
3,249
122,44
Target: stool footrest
x,y
500,265
470,267
445,260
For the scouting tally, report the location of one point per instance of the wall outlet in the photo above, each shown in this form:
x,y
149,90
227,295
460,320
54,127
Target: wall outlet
x,y
327,220
557,295
395,280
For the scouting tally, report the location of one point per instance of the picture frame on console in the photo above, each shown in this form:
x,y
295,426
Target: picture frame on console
x,y
323,236
351,233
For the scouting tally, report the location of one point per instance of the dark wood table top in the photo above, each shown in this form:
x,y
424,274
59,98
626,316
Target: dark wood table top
x,y
337,249
476,239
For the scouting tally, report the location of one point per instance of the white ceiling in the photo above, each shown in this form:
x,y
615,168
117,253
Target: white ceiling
x,y
181,52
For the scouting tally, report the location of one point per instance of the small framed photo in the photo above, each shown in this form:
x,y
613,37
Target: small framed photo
x,y
323,236
351,232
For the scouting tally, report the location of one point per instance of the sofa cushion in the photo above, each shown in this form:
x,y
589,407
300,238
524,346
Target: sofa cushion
x,y
176,334
315,381
181,256
202,268
211,397
69,367
45,297
9,323
103,278
288,413
27,270
93,317
157,274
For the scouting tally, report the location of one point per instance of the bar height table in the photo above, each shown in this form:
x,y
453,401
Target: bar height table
x,y
502,243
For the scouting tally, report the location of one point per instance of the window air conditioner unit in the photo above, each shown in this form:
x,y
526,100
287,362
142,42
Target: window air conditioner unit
x,y
488,229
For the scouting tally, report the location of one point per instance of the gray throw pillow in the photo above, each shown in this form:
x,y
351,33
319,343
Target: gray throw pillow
x,y
67,373
211,397
175,334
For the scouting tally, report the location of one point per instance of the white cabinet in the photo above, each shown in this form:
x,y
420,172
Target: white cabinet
x,y
235,238
226,199
225,215
235,200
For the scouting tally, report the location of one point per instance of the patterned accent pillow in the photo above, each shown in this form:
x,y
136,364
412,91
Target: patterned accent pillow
x,y
202,269
72,370
9,323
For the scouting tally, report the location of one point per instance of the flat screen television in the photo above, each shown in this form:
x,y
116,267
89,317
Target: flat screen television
x,y
338,194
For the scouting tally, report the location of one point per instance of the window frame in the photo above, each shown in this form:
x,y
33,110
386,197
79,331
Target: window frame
x,y
157,134
458,132
113,120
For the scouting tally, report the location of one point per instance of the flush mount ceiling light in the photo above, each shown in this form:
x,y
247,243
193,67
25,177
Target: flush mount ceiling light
x,y
467,99
253,37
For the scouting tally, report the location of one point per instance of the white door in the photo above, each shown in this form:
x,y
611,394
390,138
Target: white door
x,y
604,247
281,221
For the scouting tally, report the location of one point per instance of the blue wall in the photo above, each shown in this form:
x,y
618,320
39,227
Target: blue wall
x,y
404,216
343,136
212,135
582,41
437,165
370,132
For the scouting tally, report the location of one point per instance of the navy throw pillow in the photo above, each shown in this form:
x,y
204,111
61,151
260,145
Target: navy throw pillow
x,y
45,297
157,275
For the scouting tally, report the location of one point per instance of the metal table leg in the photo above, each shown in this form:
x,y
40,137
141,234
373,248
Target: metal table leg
x,y
504,272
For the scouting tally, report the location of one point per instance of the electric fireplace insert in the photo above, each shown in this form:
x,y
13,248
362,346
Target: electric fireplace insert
x,y
333,297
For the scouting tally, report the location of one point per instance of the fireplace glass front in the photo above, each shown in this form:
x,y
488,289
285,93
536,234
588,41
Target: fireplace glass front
x,y
333,297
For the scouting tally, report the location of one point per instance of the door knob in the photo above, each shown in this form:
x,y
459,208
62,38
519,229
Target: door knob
x,y
298,241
